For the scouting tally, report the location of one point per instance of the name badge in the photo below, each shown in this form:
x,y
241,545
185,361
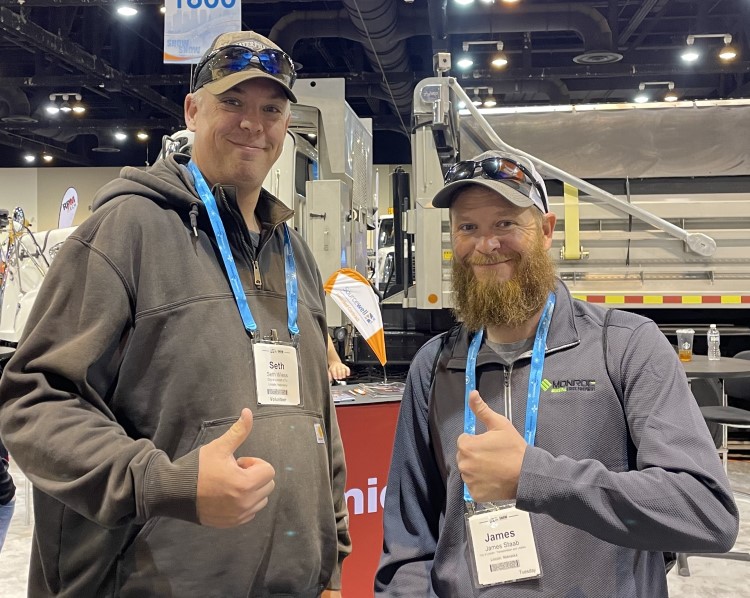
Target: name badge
x,y
276,374
503,545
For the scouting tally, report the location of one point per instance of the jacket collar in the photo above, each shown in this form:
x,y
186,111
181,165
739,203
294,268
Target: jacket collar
x,y
270,210
562,333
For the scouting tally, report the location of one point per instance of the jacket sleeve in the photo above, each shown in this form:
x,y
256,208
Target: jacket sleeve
x,y
677,499
54,412
415,496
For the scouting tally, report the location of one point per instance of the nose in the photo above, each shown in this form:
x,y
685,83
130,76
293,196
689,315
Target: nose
x,y
488,243
251,121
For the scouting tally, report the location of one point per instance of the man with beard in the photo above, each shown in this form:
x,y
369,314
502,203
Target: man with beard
x,y
590,455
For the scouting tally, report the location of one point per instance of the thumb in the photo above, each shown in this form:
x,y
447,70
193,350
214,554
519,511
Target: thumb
x,y
491,420
231,440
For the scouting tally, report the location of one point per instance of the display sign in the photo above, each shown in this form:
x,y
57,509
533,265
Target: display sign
x,y
191,25
68,208
367,433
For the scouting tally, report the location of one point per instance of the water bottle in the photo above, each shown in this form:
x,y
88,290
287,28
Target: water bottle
x,y
713,344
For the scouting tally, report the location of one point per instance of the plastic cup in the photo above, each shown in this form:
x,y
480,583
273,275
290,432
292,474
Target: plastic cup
x,y
685,343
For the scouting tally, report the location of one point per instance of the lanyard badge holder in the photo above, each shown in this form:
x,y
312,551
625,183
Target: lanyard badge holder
x,y
277,363
500,536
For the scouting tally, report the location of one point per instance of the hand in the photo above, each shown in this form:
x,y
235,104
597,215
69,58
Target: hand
x,y
490,463
231,491
331,594
337,371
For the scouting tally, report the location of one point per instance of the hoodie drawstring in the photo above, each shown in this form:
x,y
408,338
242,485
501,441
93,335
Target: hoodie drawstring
x,y
194,218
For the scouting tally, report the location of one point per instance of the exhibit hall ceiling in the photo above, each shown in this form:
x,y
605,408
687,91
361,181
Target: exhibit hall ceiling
x,y
116,98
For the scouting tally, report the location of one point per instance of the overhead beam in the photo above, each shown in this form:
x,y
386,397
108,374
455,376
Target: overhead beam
x,y
562,72
30,35
82,127
635,22
87,81
25,143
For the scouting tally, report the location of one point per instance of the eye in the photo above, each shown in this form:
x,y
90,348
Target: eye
x,y
273,109
229,101
467,227
505,224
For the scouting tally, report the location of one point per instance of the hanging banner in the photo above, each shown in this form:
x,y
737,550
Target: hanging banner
x,y
353,294
68,208
191,25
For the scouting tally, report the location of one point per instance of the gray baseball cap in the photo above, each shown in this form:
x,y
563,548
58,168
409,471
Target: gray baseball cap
x,y
513,177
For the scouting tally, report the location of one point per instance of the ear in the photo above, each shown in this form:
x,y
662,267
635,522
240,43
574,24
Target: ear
x,y
191,110
548,228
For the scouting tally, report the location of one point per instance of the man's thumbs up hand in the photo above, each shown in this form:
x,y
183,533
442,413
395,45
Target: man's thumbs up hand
x,y
490,463
231,491
490,419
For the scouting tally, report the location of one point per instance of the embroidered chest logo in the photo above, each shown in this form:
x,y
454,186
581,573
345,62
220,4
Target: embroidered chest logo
x,y
566,385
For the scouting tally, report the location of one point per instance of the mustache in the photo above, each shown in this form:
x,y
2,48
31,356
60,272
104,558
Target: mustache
x,y
489,260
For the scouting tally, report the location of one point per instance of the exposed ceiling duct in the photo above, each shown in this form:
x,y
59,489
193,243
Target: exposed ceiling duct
x,y
384,26
14,106
376,21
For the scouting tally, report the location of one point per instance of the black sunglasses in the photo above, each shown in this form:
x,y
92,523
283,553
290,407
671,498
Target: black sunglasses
x,y
497,169
234,59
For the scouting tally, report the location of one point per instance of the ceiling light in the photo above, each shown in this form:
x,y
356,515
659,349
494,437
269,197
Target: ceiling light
x,y
476,100
142,135
120,136
47,158
461,105
52,109
79,108
669,96
127,10
162,9
464,63
499,60
487,1
510,1
65,107
490,102
691,55
29,158
728,52
464,2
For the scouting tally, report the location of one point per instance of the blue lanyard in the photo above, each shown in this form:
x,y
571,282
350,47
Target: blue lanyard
x,y
535,379
220,233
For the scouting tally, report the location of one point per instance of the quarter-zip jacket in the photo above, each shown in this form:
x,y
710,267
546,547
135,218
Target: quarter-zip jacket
x,y
600,517
134,357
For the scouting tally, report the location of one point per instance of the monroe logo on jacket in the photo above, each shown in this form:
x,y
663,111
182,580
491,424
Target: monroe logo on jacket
x,y
566,385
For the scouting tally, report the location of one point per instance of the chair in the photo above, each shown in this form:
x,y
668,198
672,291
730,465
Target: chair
x,y
718,416
739,388
724,415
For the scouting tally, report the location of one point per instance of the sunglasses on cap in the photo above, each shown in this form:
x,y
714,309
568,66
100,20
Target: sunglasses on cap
x,y
234,59
497,169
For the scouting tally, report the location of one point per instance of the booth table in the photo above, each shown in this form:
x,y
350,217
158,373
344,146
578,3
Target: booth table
x,y
367,415
726,367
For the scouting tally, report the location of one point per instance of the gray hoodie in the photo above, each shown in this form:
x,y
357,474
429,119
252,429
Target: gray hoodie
x,y
135,356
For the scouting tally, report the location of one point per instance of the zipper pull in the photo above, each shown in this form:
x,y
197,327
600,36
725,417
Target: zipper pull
x,y
256,273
